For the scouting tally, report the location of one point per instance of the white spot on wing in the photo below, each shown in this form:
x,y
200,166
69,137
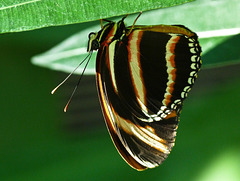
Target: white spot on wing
x,y
192,50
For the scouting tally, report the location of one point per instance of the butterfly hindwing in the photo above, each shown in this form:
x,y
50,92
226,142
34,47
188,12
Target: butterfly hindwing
x,y
143,78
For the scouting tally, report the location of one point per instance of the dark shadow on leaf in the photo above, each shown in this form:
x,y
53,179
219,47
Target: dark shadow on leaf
x,y
225,53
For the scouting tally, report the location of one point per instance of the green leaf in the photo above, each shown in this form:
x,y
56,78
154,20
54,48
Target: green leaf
x,y
22,15
202,16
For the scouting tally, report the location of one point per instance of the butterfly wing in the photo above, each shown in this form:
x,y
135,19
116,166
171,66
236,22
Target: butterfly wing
x,y
142,81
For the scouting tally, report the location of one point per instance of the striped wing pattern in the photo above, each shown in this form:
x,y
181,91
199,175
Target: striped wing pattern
x,y
142,80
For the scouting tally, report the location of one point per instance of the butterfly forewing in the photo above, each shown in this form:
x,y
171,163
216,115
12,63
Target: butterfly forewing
x,y
143,78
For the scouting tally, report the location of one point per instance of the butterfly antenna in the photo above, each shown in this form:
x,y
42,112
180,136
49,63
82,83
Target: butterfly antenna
x,y
54,90
79,80
125,17
134,23
109,21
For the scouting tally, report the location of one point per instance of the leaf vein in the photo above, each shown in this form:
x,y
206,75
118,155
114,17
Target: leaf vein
x,y
20,4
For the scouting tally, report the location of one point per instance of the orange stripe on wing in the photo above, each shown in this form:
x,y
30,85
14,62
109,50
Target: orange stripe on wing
x,y
171,68
135,67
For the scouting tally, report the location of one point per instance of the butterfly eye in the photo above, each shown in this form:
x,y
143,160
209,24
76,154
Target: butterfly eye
x,y
91,35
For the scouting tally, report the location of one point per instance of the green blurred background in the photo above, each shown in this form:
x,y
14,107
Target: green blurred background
x,y
40,142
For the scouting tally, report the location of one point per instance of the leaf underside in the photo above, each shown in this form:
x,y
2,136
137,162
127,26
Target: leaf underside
x,y
22,15
219,39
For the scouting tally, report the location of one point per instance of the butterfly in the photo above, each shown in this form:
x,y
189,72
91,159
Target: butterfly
x,y
143,75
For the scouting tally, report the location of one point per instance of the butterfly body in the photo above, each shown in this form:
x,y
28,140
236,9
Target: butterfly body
x,y
143,75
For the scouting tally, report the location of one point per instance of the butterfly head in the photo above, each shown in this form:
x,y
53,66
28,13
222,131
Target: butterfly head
x,y
109,32
93,42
